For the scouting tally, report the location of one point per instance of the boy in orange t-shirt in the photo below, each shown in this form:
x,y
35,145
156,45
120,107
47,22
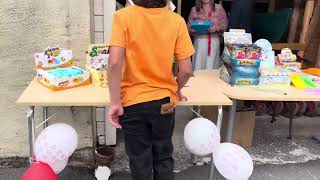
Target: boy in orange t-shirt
x,y
143,89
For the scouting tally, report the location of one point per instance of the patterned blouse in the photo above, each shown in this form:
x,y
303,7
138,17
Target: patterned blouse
x,y
218,17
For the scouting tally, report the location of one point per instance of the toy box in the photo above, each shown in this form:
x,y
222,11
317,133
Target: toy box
x,y
240,75
53,58
97,56
274,77
287,55
201,27
63,78
98,77
293,66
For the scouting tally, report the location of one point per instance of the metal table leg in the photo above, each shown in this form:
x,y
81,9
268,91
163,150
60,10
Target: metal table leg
x,y
291,121
219,124
105,125
94,133
231,120
198,109
45,116
32,132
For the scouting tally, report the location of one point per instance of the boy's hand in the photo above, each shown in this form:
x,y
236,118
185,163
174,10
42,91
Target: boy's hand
x,y
181,96
115,110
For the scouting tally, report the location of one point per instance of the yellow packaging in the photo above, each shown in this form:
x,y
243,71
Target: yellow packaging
x,y
98,77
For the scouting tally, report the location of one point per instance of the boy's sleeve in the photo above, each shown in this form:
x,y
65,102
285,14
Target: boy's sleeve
x,y
118,33
184,47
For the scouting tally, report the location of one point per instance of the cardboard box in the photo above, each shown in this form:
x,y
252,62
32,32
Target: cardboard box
x,y
53,58
57,84
243,128
97,57
98,77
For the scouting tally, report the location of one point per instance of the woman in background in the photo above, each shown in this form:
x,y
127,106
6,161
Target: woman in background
x,y
207,55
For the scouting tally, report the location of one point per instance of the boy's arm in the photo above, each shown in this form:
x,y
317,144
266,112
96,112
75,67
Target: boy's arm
x,y
184,73
115,63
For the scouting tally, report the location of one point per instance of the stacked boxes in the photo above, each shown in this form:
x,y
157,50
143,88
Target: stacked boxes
x,y
287,60
241,64
55,70
97,62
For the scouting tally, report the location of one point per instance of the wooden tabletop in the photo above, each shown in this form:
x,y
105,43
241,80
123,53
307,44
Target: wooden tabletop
x,y
198,91
38,95
260,92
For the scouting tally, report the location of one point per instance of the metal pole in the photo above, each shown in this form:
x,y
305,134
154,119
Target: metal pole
x,y
94,134
105,125
231,121
291,120
32,132
219,124
179,8
45,116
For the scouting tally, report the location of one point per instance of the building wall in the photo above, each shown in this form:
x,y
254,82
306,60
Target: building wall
x,y
26,27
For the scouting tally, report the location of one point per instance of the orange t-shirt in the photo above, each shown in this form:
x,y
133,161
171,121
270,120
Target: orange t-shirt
x,y
151,37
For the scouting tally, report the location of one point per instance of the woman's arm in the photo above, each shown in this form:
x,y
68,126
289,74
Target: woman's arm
x,y
220,20
192,17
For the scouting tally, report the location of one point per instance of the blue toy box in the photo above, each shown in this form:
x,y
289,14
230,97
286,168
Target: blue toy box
x,y
201,27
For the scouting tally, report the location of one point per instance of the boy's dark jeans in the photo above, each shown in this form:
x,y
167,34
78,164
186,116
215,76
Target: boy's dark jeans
x,y
148,140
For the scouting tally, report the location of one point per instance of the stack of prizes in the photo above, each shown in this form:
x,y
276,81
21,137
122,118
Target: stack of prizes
x,y
288,60
269,73
55,70
241,59
97,62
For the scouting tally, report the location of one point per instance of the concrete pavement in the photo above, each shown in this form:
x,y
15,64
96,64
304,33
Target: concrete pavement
x,y
301,171
275,156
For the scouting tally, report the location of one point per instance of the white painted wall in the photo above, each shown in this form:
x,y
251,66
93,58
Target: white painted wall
x,y
26,27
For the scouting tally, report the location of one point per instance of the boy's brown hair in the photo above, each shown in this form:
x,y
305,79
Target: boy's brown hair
x,y
151,3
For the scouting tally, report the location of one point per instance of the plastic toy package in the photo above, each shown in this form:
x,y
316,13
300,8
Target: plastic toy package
x,y
287,55
293,66
237,38
238,51
275,77
63,78
53,58
97,64
97,57
240,75
201,27
99,78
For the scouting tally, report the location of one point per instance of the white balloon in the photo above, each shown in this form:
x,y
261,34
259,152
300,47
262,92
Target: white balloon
x,y
201,136
58,141
232,161
57,165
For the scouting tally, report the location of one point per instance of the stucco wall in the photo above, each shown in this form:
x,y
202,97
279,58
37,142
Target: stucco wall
x,y
26,27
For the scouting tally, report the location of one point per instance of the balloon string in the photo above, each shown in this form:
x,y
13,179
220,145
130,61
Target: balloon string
x,y
195,112
49,118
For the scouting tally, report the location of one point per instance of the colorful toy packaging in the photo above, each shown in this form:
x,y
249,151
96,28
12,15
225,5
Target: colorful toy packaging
x,y
55,70
201,27
241,61
97,56
53,58
287,60
97,64
274,77
63,78
98,77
